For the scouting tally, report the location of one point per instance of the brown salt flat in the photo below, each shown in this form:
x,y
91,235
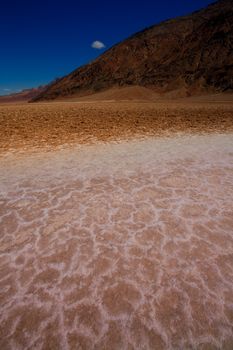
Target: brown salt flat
x,y
49,125
118,246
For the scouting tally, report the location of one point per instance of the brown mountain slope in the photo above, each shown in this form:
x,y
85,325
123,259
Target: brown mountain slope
x,y
116,93
22,96
193,54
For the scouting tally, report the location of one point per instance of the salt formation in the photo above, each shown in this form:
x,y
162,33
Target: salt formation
x,y
118,246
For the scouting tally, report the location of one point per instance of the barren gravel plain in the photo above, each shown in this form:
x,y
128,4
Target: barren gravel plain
x,y
65,123
116,225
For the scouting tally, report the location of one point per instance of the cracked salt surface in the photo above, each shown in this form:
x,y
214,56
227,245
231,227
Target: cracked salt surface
x,y
118,246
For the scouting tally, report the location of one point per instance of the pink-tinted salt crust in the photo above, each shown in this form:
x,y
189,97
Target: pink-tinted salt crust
x,y
125,246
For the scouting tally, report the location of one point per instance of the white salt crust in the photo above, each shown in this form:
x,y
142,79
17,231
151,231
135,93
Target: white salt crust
x,y
118,246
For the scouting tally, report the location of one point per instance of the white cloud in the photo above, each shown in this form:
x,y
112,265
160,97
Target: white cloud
x,y
6,89
97,45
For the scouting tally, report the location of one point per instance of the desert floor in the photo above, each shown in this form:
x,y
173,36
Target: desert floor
x,y
47,125
116,225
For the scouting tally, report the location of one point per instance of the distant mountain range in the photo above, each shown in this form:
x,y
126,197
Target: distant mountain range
x,y
181,57
22,96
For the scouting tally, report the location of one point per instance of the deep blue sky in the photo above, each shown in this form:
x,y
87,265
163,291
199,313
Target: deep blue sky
x,y
41,40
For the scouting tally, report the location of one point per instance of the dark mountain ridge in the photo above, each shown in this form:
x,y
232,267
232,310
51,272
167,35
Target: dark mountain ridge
x,y
192,53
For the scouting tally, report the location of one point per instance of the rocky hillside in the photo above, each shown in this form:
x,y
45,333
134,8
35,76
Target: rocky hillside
x,y
192,54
